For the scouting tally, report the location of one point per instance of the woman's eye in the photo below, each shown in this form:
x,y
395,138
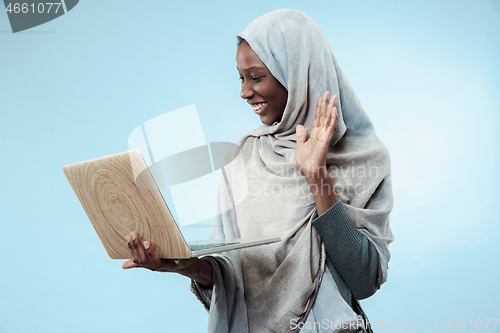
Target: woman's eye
x,y
254,78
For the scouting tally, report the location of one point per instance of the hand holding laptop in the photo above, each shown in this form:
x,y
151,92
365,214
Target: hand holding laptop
x,y
120,196
143,255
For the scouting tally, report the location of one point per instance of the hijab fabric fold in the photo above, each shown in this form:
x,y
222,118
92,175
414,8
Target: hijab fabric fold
x,y
266,288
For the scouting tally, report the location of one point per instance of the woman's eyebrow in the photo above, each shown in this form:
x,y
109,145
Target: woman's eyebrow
x,y
252,68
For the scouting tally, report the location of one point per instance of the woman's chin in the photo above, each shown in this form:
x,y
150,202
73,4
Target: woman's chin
x,y
269,118
266,122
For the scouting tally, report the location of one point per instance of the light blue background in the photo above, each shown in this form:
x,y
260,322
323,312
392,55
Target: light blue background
x,y
426,71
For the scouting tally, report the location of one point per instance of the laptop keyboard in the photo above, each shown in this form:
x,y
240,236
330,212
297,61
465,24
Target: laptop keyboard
x,y
196,247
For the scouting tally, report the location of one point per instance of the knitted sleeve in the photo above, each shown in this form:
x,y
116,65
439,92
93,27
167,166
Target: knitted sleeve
x,y
354,256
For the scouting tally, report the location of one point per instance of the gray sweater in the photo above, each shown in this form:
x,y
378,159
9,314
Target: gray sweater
x,y
352,258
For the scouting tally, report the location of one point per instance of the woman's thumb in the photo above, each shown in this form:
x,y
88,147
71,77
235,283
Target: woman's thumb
x,y
301,133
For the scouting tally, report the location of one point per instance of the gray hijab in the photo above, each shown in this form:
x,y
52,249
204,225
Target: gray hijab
x,y
262,193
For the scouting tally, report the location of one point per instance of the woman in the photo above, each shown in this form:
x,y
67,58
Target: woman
x,y
328,196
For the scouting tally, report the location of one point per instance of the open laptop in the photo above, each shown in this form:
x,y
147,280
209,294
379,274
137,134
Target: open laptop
x,y
120,196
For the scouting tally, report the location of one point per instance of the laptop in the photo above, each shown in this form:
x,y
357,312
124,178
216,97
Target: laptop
x,y
120,196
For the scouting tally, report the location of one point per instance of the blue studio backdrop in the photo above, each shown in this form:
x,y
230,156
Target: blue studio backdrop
x,y
76,84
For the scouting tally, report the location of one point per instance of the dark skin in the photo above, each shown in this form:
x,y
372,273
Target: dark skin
x,y
259,87
144,256
268,99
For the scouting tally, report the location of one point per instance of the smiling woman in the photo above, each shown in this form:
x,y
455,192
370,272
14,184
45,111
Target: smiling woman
x,y
334,248
335,244
259,87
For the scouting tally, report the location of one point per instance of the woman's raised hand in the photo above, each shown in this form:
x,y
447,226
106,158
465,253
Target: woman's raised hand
x,y
143,255
311,154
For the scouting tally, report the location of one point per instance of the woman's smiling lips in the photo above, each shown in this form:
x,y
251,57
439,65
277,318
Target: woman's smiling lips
x,y
259,107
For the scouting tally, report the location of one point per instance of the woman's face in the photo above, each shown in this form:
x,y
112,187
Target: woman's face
x,y
259,87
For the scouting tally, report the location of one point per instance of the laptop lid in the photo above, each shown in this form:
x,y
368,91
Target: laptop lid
x,y
120,196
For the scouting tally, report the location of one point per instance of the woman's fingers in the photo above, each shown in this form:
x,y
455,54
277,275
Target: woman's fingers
x,y
317,114
311,155
137,250
301,133
132,247
129,264
153,257
332,120
332,102
323,108
326,111
328,115
143,255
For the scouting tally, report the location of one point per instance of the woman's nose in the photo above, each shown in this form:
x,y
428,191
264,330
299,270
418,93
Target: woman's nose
x,y
246,91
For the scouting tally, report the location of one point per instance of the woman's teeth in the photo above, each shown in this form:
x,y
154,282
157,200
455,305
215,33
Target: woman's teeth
x,y
258,106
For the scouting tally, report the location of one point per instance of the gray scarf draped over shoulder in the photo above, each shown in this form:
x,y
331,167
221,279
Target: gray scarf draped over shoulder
x,y
262,193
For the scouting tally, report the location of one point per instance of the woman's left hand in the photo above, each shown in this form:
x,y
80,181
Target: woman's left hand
x,y
143,255
311,154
